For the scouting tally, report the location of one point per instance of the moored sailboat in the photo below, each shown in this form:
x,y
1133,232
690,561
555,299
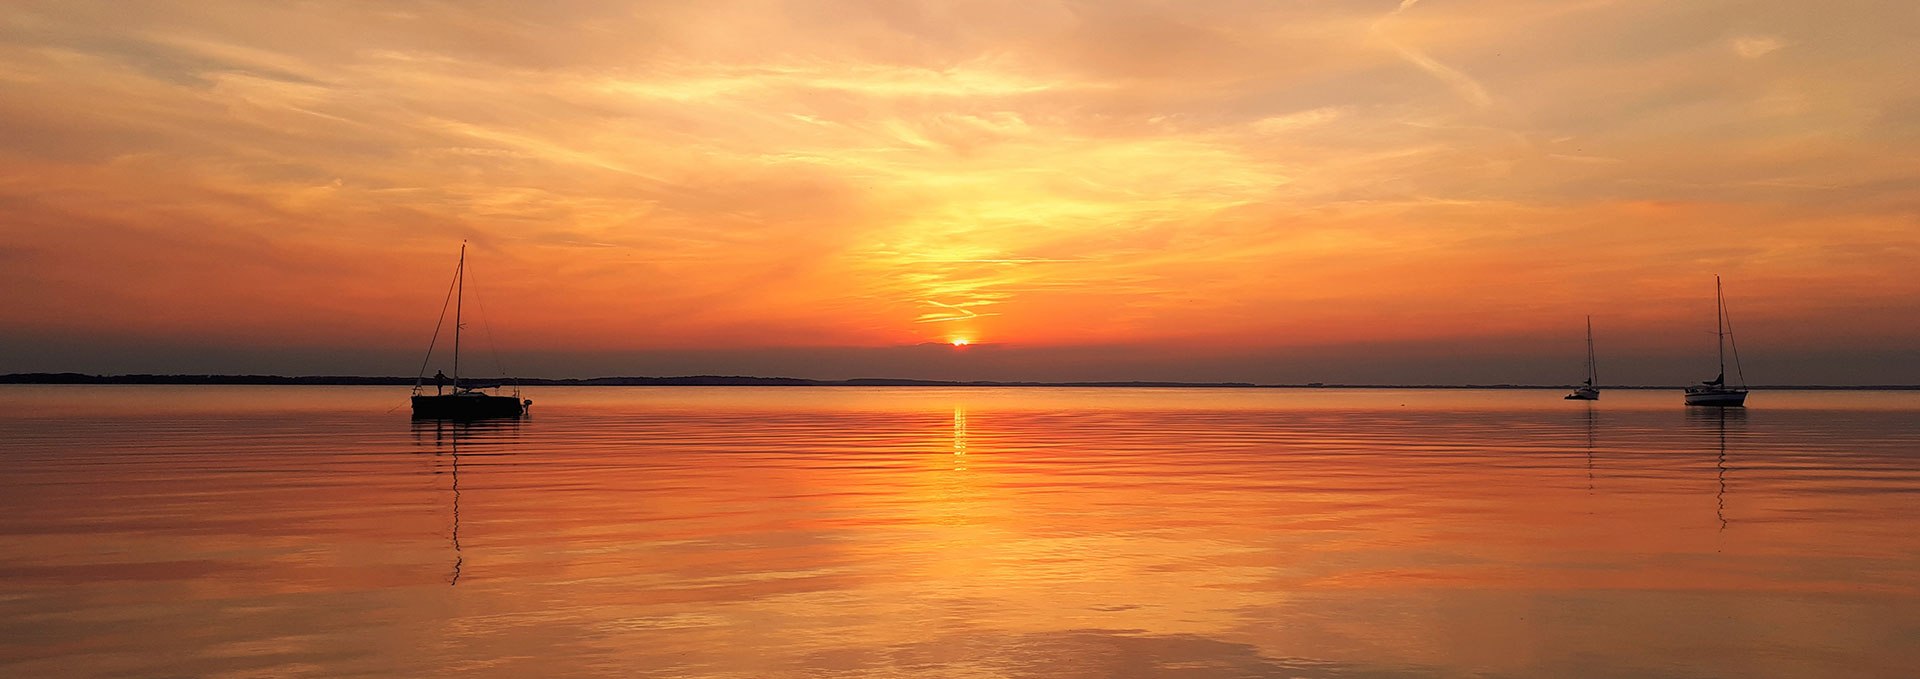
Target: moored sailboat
x,y
467,401
1715,392
1589,390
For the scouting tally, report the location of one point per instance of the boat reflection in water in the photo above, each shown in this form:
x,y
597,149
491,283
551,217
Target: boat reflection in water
x,y
445,439
1590,418
1719,420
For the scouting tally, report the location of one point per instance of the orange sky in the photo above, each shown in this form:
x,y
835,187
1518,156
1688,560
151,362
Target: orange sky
x,y
1337,191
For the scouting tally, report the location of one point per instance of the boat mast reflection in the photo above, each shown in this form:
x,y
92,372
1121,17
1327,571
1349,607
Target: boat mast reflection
x,y
1720,464
1719,419
458,558
447,435
1590,427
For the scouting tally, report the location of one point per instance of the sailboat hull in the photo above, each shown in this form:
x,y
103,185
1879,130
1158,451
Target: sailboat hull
x,y
1717,398
1584,394
467,406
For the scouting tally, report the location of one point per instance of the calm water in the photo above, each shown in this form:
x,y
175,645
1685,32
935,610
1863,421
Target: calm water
x,y
799,532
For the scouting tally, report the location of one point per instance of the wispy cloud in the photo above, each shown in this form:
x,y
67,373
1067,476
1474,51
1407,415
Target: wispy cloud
x,y
1010,260
1756,46
1462,84
1576,158
952,312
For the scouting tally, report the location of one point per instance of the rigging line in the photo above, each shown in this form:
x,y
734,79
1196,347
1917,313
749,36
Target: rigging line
x,y
436,329
486,324
1733,343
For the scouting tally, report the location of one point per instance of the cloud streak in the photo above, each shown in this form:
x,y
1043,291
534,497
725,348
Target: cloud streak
x,y
1469,89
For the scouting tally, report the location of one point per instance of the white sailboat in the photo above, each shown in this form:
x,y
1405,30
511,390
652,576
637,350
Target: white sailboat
x,y
1715,392
1590,390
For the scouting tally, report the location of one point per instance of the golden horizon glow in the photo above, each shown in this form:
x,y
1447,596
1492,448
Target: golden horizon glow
x,y
1206,179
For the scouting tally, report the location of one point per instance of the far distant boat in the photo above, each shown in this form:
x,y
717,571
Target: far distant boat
x,y
467,401
1715,392
1589,391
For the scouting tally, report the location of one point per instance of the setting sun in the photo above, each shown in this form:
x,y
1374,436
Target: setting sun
x,y
961,341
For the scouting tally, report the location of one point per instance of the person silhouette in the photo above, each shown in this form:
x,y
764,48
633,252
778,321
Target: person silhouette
x,y
439,382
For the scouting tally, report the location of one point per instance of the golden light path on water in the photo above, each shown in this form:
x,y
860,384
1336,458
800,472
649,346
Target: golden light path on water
x,y
787,532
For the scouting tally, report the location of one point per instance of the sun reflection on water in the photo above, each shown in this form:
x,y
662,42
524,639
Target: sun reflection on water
x,y
959,438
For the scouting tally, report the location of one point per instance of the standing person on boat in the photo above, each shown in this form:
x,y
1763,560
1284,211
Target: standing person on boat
x,y
439,382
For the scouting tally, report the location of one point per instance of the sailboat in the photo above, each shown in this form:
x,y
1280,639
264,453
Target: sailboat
x,y
1589,391
466,401
1715,392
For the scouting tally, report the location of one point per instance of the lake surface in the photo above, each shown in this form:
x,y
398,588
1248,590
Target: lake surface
x,y
977,532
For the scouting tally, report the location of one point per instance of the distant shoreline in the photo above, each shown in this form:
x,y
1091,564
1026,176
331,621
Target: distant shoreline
x,y
749,381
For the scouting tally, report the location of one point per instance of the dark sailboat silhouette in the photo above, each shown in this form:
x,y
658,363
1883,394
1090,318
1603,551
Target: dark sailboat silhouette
x,y
466,401
1588,391
1715,392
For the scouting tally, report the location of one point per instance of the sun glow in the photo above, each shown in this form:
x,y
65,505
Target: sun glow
x,y
852,179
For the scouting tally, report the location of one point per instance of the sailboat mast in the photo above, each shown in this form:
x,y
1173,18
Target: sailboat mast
x,y
1719,325
460,286
1593,367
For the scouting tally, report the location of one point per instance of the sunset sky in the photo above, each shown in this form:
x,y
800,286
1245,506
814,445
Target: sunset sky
x,y
1269,191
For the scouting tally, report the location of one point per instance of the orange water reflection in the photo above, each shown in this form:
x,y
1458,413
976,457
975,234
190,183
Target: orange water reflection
x,y
964,532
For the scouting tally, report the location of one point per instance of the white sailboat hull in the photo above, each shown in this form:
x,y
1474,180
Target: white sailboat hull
x,y
1718,398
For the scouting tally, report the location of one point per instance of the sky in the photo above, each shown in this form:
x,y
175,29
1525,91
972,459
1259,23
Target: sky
x,y
1398,191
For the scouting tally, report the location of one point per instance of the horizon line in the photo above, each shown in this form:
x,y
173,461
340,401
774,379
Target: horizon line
x,y
215,379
